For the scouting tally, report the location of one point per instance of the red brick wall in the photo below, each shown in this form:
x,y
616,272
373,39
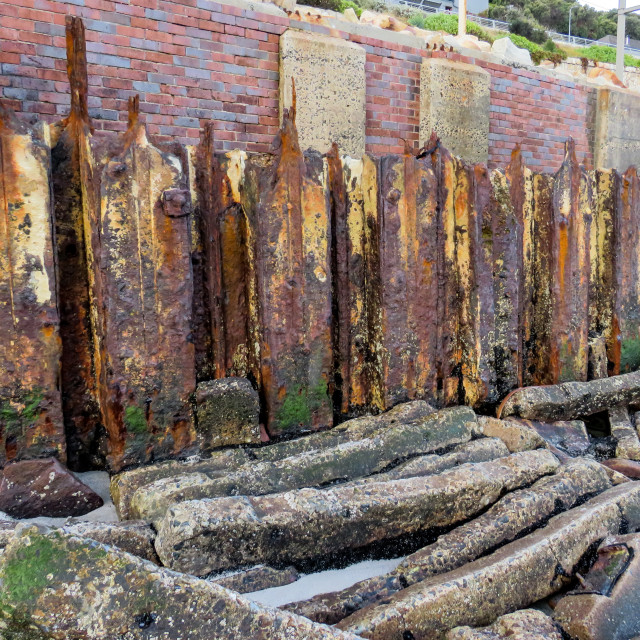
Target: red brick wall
x,y
192,60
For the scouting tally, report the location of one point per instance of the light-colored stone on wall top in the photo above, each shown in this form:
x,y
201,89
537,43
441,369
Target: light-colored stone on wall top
x,y
330,84
454,102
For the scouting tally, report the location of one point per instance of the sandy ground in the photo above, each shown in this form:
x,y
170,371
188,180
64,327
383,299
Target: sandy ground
x,y
323,582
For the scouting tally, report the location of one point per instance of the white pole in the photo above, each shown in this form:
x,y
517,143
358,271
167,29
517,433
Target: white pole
x,y
573,6
620,40
462,18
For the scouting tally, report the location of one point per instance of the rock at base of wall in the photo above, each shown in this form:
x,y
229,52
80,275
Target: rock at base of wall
x,y
33,488
527,624
65,586
227,410
203,536
510,53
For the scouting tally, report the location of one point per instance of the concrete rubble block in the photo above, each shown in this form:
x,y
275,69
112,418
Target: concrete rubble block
x,y
61,585
571,400
511,54
568,435
142,300
517,436
228,411
311,469
628,468
202,536
124,485
30,405
513,515
44,487
515,576
617,138
454,102
605,605
527,624
625,434
329,75
256,579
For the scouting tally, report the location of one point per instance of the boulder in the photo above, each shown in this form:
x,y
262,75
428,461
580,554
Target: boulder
x,y
527,624
299,526
625,434
58,585
350,15
605,605
310,469
571,400
511,516
256,579
628,468
382,20
513,577
569,436
44,487
509,53
515,435
228,412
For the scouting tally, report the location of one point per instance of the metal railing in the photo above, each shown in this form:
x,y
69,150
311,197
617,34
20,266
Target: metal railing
x,y
429,6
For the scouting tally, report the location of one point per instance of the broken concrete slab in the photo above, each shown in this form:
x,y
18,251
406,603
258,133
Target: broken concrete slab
x,y
346,461
514,514
605,605
227,412
572,400
513,577
63,585
625,434
516,436
256,579
202,536
527,624
32,488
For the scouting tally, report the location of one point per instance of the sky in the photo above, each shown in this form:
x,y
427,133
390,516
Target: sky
x,y
605,5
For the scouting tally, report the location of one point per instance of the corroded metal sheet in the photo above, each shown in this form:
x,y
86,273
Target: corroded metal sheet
x,y
30,406
570,269
408,277
143,302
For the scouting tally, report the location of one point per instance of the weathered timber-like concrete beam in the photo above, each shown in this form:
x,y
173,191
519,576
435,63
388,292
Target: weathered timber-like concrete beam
x,y
625,433
311,469
30,405
516,513
571,400
77,586
513,577
212,535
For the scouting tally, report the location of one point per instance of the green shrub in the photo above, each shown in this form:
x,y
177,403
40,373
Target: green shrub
x,y
447,22
528,29
348,4
600,53
538,53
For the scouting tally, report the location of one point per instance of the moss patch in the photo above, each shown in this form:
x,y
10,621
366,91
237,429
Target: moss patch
x,y
299,406
15,419
630,355
134,420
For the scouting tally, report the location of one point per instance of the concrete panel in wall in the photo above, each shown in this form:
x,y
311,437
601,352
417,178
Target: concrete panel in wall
x,y
617,136
454,102
329,76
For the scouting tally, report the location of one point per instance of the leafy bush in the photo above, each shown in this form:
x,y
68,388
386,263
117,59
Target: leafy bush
x,y
449,23
335,5
348,4
606,54
528,29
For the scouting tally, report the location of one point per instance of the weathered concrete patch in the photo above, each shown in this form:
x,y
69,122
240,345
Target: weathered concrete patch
x,y
605,606
63,585
454,102
202,536
256,579
512,515
227,410
528,624
513,577
329,78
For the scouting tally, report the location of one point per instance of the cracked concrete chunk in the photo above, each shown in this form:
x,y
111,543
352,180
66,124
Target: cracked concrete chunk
x,y
256,579
516,435
454,102
227,410
513,577
202,536
527,624
625,434
69,586
606,607
329,77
